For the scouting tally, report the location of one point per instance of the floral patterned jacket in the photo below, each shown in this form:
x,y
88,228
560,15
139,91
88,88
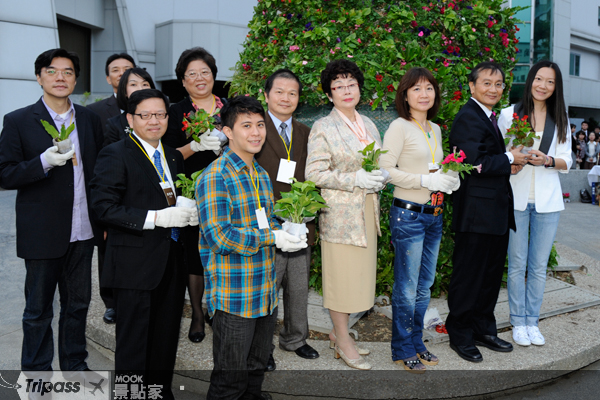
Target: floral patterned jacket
x,y
333,159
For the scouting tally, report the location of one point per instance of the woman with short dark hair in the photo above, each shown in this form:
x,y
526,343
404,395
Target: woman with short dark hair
x,y
196,69
414,153
132,80
349,227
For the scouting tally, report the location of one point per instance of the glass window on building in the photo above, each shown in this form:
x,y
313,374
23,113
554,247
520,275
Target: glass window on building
x,y
542,32
574,64
598,16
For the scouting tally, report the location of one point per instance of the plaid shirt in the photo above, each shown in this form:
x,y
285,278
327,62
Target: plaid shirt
x,y
238,258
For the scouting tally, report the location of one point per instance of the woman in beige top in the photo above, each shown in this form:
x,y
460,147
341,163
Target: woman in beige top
x,y
414,153
348,228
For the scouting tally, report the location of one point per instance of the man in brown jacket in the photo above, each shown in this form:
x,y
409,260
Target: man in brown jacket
x,y
284,154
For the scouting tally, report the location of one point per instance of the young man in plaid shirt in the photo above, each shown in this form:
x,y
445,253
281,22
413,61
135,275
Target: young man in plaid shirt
x,y
237,247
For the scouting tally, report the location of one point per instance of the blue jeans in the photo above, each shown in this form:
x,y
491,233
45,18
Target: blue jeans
x,y
416,238
73,275
528,250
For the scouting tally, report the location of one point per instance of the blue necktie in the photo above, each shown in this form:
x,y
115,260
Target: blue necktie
x,y
161,172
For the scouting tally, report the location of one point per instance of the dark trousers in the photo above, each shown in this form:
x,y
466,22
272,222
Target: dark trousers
x,y
148,323
241,349
105,293
292,271
474,286
73,275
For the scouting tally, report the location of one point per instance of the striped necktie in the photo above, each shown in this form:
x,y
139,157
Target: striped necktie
x,y
283,134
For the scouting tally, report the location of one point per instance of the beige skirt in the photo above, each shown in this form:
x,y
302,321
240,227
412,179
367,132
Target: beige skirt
x,y
350,272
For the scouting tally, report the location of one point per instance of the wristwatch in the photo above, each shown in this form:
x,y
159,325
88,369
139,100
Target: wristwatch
x,y
553,163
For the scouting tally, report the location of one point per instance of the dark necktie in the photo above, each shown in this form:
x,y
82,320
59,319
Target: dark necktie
x,y
283,134
161,172
495,123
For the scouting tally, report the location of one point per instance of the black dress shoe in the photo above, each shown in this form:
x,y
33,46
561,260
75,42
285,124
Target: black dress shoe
x,y
468,352
110,316
196,337
270,364
306,352
208,319
493,343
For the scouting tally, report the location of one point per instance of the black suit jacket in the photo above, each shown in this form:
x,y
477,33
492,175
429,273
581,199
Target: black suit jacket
x,y
273,150
115,129
175,137
125,187
44,205
105,109
484,201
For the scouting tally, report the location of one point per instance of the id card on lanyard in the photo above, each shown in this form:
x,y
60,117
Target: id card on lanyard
x,y
164,184
287,168
261,214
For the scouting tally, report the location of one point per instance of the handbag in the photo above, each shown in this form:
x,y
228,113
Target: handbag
x,y
584,196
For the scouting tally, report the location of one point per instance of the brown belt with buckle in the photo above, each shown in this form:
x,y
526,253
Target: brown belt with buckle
x,y
424,209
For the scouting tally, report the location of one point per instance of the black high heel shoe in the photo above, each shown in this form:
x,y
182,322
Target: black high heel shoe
x,y
196,337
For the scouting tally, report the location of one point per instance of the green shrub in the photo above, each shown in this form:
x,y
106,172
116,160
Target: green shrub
x,y
385,39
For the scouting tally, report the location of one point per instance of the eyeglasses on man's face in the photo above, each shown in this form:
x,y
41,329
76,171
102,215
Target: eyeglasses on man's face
x,y
67,73
147,116
193,75
497,85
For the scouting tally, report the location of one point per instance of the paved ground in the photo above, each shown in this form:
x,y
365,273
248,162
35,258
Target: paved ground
x,y
577,246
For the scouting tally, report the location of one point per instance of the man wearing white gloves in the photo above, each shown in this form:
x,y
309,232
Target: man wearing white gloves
x,y
55,234
133,194
238,237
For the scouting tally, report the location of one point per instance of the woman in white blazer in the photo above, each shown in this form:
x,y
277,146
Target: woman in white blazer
x,y
537,196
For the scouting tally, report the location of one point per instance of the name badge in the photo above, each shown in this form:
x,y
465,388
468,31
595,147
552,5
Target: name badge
x,y
168,193
261,217
433,167
286,171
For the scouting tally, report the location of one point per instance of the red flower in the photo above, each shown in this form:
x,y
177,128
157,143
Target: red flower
x,y
185,125
390,88
443,10
451,5
524,118
486,48
379,78
515,116
457,95
414,24
450,49
490,24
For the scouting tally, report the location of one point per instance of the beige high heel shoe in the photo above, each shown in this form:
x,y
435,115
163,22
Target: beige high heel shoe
x,y
359,363
361,351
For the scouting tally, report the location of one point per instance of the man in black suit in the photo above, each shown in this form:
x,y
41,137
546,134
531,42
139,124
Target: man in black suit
x,y
482,216
55,233
115,66
132,193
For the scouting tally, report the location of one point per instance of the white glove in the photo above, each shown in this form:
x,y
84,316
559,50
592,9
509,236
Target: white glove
x,y
439,182
453,174
174,217
194,218
368,180
54,158
207,142
287,242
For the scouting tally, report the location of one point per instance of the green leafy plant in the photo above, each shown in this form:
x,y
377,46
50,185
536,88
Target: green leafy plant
x,y
371,157
198,122
187,185
303,201
58,136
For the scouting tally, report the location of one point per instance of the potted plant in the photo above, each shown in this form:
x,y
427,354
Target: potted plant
x,y
454,162
567,197
299,206
198,122
188,190
522,132
60,139
370,161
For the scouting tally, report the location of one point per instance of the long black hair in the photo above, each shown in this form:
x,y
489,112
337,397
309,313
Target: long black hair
x,y
122,89
555,104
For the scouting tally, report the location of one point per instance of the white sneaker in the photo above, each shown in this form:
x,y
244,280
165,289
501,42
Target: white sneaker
x,y
535,336
520,336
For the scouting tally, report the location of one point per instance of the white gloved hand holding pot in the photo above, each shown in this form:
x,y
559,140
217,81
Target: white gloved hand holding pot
x,y
207,142
175,217
439,182
288,242
369,180
55,159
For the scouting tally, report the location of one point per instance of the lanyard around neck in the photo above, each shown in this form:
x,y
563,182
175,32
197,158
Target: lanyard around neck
x,y
288,150
427,140
212,108
149,159
257,186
